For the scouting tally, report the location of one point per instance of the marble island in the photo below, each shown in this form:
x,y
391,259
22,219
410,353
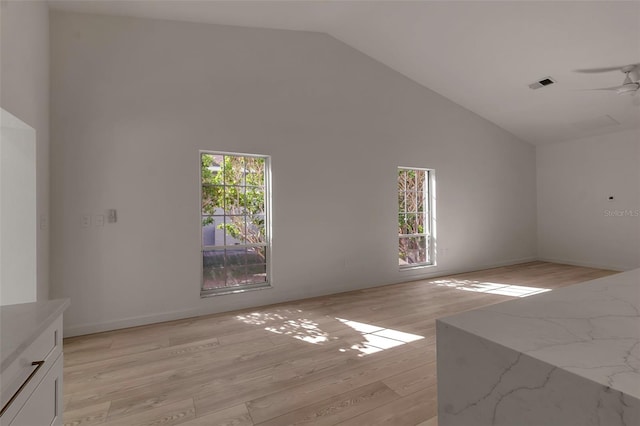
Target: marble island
x,y
566,357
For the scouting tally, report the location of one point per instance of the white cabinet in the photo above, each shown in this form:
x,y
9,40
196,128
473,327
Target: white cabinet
x,y
31,375
44,405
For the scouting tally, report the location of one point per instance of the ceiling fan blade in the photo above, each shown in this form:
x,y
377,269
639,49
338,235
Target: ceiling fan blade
x,y
605,69
614,88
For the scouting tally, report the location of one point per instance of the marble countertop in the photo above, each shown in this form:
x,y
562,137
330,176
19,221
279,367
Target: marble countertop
x,y
591,329
21,324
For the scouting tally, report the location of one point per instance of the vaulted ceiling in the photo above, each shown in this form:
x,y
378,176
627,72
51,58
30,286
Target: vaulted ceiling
x,y
481,55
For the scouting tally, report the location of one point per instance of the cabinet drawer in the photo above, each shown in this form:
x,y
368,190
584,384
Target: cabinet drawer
x,y
47,347
43,407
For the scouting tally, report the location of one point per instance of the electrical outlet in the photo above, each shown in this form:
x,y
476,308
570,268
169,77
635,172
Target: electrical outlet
x,y
85,221
43,222
99,220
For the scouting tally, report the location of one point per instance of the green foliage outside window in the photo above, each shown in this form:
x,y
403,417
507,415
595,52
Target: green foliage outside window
x,y
233,196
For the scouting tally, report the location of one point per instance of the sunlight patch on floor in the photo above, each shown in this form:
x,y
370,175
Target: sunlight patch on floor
x,y
491,288
376,338
299,328
292,323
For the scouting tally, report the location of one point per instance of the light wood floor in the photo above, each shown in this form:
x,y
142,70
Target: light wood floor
x,y
360,358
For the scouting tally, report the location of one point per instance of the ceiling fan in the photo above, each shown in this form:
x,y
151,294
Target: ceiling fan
x,y
628,86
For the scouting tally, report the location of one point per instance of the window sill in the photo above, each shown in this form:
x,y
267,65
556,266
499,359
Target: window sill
x,y
417,267
233,290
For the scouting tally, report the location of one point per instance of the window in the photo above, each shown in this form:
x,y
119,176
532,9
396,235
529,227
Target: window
x,y
415,217
235,222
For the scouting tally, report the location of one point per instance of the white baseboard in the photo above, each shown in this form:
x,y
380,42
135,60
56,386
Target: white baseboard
x,y
420,274
587,264
79,330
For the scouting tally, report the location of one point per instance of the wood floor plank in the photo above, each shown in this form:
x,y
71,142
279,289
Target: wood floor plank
x,y
338,408
411,381
433,421
165,415
87,416
364,357
84,343
232,416
410,410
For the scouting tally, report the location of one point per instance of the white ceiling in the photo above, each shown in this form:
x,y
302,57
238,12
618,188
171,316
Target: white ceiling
x,y
482,55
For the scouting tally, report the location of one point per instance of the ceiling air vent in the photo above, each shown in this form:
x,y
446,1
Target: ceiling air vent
x,y
542,82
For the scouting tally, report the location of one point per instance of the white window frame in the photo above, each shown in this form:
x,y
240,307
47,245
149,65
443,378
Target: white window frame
x,y
266,245
429,210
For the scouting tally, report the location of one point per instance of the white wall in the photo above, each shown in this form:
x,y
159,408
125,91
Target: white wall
x,y
134,100
24,92
577,224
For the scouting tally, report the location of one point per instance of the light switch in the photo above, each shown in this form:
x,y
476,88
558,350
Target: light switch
x,y
112,216
99,220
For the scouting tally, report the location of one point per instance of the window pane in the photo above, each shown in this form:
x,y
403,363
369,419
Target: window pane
x,y
213,269
233,168
213,278
402,178
411,200
420,228
257,255
210,169
212,199
416,249
208,231
256,273
411,180
402,205
402,251
402,224
408,223
233,230
420,181
234,275
256,230
233,199
405,224
254,200
421,200
245,275
422,249
254,171
214,258
242,225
